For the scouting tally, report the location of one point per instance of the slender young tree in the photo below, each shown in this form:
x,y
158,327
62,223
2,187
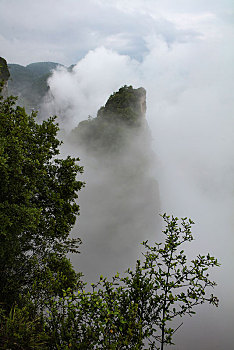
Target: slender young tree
x,y
135,311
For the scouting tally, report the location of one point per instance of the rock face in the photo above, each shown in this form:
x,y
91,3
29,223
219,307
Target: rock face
x,y
120,204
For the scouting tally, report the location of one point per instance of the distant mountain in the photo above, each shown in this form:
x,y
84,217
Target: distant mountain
x,y
42,68
30,83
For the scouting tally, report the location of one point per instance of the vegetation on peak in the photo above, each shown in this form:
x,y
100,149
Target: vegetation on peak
x,y
128,105
124,111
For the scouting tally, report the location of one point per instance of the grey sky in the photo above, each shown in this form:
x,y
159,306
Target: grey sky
x,y
64,31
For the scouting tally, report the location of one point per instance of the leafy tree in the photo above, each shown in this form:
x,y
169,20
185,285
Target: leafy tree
x,y
37,211
37,208
134,311
19,331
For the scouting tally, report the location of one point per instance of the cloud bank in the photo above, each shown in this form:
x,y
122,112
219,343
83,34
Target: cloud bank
x,y
65,31
190,112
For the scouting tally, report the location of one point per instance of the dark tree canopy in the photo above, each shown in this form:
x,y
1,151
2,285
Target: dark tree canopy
x,y
4,72
43,304
37,205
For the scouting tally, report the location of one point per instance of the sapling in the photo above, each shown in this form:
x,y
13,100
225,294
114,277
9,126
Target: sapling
x,y
177,286
134,311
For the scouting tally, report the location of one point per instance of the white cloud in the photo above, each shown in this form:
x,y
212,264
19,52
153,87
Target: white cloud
x,y
190,111
85,90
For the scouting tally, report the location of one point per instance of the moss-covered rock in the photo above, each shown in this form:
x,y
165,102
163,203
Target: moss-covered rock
x,y
128,105
4,72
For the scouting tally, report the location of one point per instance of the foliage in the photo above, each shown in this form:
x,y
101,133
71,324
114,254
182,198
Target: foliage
x,y
134,311
4,72
124,105
20,331
37,207
44,305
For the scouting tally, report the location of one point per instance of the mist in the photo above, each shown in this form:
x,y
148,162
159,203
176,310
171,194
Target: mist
x,y
190,115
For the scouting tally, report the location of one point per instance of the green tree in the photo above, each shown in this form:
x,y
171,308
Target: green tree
x,y
43,304
38,208
19,331
135,311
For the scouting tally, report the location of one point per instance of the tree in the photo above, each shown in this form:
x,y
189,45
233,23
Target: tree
x,y
37,208
133,312
37,211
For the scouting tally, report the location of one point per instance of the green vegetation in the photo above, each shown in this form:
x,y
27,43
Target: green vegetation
x,y
127,105
135,311
43,303
29,83
37,208
4,72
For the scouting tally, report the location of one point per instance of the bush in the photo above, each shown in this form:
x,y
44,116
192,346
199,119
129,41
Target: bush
x,y
134,311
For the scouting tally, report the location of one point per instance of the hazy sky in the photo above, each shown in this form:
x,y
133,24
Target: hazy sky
x,y
64,31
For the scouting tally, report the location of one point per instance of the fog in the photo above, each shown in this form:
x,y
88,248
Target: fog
x,y
190,114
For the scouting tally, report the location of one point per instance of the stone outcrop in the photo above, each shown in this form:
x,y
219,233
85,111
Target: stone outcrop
x,y
4,75
120,205
122,116
127,104
4,72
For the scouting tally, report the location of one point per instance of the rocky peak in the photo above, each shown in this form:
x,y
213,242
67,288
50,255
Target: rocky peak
x,y
117,124
127,104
